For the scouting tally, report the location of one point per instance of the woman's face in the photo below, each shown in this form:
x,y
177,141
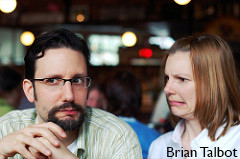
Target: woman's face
x,y
180,85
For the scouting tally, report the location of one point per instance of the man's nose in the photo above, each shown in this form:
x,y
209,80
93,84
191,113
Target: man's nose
x,y
67,92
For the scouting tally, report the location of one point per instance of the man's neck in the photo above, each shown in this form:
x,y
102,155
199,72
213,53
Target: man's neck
x,y
71,137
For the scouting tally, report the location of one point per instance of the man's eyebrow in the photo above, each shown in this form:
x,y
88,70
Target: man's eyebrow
x,y
61,76
80,75
53,76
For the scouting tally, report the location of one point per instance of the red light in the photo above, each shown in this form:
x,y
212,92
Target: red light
x,y
145,53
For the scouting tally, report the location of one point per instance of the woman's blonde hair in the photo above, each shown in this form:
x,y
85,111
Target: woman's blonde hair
x,y
216,81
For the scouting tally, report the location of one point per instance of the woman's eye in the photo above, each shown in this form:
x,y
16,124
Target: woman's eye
x,y
183,79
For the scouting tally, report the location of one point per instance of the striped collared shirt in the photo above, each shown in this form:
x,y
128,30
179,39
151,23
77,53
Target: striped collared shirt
x,y
102,135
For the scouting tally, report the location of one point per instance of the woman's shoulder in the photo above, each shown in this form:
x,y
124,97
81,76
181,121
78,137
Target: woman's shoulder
x,y
164,138
159,146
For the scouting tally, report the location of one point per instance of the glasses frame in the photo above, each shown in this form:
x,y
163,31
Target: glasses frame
x,y
65,80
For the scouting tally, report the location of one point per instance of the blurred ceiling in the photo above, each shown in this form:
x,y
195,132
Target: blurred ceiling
x,y
112,16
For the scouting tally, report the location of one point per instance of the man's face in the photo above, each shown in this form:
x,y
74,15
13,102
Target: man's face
x,y
65,105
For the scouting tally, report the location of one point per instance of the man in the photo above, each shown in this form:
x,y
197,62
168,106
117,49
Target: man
x,y
62,126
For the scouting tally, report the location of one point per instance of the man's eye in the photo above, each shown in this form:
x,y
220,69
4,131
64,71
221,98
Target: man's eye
x,y
51,81
77,80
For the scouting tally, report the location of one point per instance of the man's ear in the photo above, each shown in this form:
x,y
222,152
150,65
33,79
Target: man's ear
x,y
28,90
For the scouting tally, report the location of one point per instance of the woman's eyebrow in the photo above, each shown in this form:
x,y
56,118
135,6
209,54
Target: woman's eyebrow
x,y
183,75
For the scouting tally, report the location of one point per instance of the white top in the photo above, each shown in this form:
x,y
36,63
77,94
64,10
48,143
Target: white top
x,y
73,147
169,145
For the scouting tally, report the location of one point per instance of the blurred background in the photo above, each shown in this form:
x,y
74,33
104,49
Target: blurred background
x,y
152,27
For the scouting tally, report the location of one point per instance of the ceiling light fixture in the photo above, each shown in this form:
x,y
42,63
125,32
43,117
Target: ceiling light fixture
x,y
129,39
8,6
182,2
27,38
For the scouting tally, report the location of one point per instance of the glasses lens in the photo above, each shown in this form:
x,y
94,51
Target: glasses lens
x,y
81,82
57,83
53,81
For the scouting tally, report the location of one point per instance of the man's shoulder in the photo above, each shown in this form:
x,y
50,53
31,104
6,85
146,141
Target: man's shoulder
x,y
18,116
108,136
101,119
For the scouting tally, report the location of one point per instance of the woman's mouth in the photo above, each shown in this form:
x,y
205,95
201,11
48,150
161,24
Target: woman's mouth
x,y
176,103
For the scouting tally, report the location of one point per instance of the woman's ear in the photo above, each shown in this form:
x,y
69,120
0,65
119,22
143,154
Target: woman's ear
x,y
28,90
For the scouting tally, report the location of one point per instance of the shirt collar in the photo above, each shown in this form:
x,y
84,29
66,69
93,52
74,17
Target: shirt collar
x,y
178,131
202,139
81,140
199,140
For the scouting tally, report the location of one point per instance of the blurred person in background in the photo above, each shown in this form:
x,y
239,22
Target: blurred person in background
x,y
160,114
123,94
95,96
161,110
10,89
202,89
25,104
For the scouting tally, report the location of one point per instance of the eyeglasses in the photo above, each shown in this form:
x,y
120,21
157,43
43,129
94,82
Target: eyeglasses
x,y
58,83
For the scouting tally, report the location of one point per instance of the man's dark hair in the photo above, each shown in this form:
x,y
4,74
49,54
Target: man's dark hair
x,y
123,93
9,79
60,38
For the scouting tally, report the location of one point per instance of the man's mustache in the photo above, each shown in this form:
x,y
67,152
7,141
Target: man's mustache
x,y
66,105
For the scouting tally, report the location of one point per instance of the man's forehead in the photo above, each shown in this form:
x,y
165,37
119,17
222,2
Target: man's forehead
x,y
63,52
57,62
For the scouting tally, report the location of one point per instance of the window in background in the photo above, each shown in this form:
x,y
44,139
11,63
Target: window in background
x,y
163,42
104,49
161,35
11,49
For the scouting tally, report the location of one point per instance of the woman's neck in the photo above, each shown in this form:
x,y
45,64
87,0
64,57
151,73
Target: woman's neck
x,y
192,130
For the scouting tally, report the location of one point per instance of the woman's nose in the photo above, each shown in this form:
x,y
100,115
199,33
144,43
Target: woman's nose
x,y
169,88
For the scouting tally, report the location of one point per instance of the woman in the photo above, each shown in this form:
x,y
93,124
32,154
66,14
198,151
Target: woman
x,y
202,89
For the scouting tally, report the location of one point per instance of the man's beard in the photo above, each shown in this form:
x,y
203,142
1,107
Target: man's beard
x,y
67,124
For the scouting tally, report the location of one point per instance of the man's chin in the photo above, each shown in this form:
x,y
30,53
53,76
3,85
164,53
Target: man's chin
x,y
68,123
68,116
